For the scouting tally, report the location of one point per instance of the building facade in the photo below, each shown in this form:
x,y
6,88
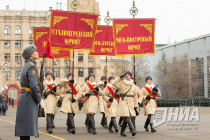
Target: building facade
x,y
16,31
196,52
115,66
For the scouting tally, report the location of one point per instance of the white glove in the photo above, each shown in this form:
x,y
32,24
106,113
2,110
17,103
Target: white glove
x,y
42,104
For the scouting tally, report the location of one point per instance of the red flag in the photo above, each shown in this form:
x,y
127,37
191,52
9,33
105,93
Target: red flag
x,y
134,36
73,29
49,50
40,37
104,41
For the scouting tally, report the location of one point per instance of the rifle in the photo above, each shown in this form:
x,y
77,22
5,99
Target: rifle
x,y
113,96
150,94
49,92
90,92
41,86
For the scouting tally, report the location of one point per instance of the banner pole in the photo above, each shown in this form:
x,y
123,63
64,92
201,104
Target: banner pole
x,y
134,68
107,20
106,67
134,12
53,70
74,5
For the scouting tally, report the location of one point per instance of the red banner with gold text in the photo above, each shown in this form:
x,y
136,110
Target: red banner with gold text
x,y
134,36
72,29
40,37
104,41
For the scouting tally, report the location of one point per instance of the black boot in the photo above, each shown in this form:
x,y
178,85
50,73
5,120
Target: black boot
x,y
86,122
133,119
152,127
89,129
120,121
132,129
68,123
24,137
105,122
115,124
53,117
72,125
4,112
93,126
49,123
110,127
147,123
102,120
123,127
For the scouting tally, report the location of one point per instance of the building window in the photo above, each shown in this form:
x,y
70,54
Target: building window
x,y
80,57
42,14
17,58
56,72
55,61
6,43
7,73
31,32
13,92
66,71
30,41
17,73
18,14
17,30
31,14
6,57
17,43
90,59
90,70
80,72
7,30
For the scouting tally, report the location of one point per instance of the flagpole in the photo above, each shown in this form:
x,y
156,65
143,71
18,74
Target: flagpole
x,y
107,20
134,12
74,5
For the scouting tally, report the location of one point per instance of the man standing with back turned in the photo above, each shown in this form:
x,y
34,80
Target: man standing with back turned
x,y
30,97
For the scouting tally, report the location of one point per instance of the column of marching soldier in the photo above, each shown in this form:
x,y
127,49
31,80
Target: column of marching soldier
x,y
115,97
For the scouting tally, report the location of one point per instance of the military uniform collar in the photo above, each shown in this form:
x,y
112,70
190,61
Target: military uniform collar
x,y
128,82
31,61
150,86
110,85
92,83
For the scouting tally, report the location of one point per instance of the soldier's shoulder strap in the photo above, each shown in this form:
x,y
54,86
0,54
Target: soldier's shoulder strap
x,y
128,89
31,63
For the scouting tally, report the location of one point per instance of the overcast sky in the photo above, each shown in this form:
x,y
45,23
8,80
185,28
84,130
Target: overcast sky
x,y
176,19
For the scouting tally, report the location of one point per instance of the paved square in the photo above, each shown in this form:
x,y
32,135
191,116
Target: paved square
x,y
166,131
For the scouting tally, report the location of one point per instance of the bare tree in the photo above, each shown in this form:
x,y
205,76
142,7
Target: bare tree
x,y
173,76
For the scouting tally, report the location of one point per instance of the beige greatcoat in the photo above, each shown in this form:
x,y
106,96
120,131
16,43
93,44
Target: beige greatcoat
x,y
91,105
112,111
139,95
126,107
51,100
66,95
151,105
101,100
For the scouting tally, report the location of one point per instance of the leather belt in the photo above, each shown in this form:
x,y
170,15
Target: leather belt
x,y
24,89
129,95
